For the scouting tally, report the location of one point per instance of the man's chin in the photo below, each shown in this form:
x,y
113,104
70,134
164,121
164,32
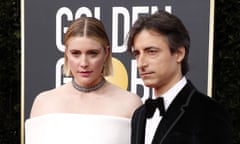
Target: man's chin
x,y
148,84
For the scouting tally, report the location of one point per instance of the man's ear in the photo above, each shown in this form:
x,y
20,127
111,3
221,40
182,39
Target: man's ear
x,y
180,54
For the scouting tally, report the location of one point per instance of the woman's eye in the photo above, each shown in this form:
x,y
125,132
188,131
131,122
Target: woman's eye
x,y
75,53
93,53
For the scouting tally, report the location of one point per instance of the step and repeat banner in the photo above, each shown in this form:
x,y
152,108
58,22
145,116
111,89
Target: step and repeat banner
x,y
44,23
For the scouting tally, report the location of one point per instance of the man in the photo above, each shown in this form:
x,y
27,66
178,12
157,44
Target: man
x,y
160,44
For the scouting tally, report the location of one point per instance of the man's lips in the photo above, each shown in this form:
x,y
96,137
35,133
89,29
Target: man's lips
x,y
145,74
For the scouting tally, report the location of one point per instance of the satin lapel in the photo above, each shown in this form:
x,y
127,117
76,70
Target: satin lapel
x,y
175,111
138,126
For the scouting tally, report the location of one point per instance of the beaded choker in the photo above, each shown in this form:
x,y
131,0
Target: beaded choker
x,y
88,89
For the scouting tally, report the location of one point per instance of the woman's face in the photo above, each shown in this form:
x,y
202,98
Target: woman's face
x,y
86,59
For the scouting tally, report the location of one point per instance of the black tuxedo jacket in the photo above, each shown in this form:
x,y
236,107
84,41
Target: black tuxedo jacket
x,y
192,118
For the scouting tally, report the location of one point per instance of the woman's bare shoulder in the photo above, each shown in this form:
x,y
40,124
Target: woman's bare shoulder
x,y
116,89
128,101
126,96
45,101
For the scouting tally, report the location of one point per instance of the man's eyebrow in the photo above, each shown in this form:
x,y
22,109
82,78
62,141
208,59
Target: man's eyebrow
x,y
149,47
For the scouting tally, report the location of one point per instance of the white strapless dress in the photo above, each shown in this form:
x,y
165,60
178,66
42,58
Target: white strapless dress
x,y
62,128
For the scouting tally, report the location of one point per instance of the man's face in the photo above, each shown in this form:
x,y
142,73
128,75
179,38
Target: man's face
x,y
157,67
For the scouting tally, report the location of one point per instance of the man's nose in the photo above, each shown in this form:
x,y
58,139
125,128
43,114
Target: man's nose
x,y
141,61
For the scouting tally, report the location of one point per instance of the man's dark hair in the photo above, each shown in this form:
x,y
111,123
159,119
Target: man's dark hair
x,y
168,25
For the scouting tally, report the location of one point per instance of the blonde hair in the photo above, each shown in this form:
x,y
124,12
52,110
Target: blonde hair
x,y
92,28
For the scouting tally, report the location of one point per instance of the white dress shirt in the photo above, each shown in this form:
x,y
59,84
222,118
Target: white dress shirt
x,y
153,122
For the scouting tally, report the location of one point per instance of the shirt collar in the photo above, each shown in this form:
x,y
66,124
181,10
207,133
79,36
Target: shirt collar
x,y
172,92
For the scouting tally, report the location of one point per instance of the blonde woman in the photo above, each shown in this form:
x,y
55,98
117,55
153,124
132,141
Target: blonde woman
x,y
89,109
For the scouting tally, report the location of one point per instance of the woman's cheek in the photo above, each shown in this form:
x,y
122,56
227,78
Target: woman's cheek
x,y
98,64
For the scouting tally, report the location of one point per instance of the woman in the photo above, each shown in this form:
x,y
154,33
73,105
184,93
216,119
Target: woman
x,y
89,109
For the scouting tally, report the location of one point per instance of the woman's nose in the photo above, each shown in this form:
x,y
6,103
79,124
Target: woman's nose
x,y
83,61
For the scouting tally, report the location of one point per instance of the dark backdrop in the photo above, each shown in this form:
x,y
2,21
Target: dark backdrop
x,y
226,76
10,71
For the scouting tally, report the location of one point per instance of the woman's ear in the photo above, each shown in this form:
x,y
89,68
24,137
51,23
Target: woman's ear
x,y
180,54
107,51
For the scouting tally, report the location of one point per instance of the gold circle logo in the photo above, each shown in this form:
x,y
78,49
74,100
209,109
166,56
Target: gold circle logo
x,y
120,76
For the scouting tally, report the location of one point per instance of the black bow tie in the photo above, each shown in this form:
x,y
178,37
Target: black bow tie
x,y
152,104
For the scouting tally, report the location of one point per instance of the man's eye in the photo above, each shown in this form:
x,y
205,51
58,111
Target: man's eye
x,y
152,51
135,54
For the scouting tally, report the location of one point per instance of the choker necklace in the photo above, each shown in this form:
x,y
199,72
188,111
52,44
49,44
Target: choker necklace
x,y
88,89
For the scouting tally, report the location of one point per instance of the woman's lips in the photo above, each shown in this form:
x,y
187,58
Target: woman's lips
x,y
85,73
